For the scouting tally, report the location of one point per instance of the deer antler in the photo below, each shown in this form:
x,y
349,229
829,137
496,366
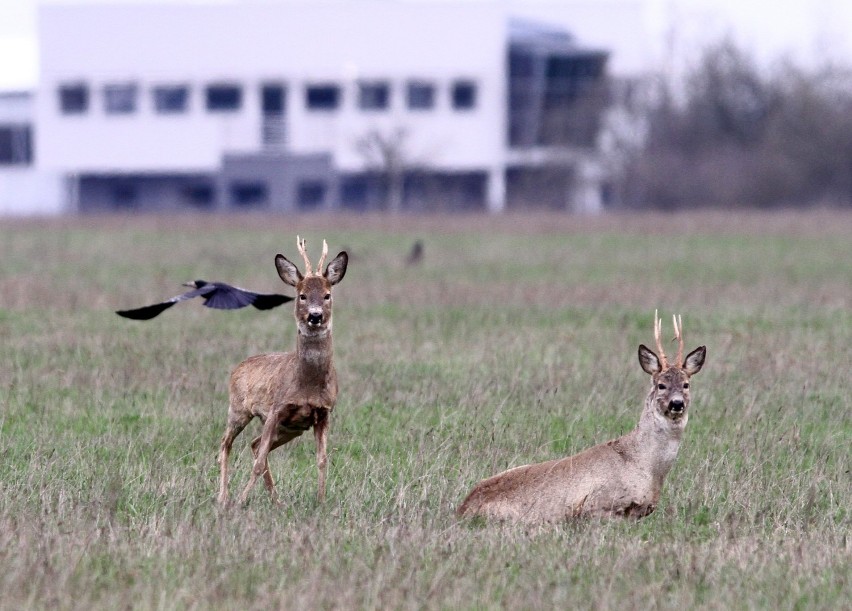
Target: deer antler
x,y
658,331
300,243
322,258
678,327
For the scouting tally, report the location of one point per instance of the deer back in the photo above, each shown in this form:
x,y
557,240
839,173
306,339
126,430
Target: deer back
x,y
595,482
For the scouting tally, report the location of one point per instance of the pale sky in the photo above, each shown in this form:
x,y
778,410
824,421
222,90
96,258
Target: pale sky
x,y
808,31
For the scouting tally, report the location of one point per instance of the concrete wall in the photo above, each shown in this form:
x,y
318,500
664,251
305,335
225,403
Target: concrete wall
x,y
28,191
290,182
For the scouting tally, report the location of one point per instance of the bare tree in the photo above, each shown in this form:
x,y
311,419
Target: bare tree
x,y
738,135
386,155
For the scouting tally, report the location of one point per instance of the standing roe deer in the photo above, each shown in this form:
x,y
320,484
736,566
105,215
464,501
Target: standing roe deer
x,y
289,391
622,477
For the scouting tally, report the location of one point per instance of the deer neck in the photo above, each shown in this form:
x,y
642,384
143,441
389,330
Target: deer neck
x,y
657,439
315,356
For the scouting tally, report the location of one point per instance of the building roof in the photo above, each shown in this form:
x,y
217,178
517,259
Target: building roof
x,y
546,39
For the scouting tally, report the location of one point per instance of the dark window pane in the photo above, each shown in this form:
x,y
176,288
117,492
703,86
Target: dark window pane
x,y
521,65
311,194
322,97
201,195
73,99
6,148
120,99
464,95
248,193
421,96
273,99
171,99
354,193
16,145
373,96
124,195
224,97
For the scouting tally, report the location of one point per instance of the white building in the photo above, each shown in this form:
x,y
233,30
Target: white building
x,y
296,105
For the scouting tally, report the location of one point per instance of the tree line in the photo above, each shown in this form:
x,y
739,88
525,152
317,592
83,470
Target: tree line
x,y
731,135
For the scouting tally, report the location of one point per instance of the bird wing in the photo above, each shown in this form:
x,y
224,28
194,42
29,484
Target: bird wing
x,y
269,301
227,297
216,295
146,313
149,312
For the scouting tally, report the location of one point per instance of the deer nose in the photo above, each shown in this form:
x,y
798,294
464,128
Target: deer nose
x,y
676,405
314,318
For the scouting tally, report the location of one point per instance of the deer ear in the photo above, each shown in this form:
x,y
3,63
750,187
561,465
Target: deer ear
x,y
336,269
648,360
289,273
694,361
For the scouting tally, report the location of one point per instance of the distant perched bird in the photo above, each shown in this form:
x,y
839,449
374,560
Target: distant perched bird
x,y
216,295
415,255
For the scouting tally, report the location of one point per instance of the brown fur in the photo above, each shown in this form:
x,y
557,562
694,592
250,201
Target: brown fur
x,y
289,391
622,477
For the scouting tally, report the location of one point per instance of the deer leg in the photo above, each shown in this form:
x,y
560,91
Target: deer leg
x,y
267,476
320,434
234,428
278,440
262,452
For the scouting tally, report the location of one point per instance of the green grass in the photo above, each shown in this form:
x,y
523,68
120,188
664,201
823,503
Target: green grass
x,y
514,342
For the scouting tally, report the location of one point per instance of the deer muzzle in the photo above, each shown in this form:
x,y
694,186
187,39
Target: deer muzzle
x,y
676,405
315,317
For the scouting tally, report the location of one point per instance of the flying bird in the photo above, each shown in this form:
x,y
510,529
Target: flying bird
x,y
216,295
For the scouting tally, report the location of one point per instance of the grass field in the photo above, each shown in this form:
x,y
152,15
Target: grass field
x,y
515,341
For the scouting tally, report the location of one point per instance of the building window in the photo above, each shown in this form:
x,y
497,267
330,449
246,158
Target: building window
x,y
311,194
273,99
73,99
249,193
16,145
124,195
421,96
322,97
200,195
373,95
354,193
170,99
224,98
464,95
120,99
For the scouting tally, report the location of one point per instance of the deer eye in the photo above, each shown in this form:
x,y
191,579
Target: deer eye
x,y
327,296
302,297
661,386
686,385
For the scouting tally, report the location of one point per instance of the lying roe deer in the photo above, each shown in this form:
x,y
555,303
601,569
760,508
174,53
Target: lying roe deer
x,y
289,391
622,477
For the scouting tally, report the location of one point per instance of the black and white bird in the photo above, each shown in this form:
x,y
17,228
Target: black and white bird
x,y
216,295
